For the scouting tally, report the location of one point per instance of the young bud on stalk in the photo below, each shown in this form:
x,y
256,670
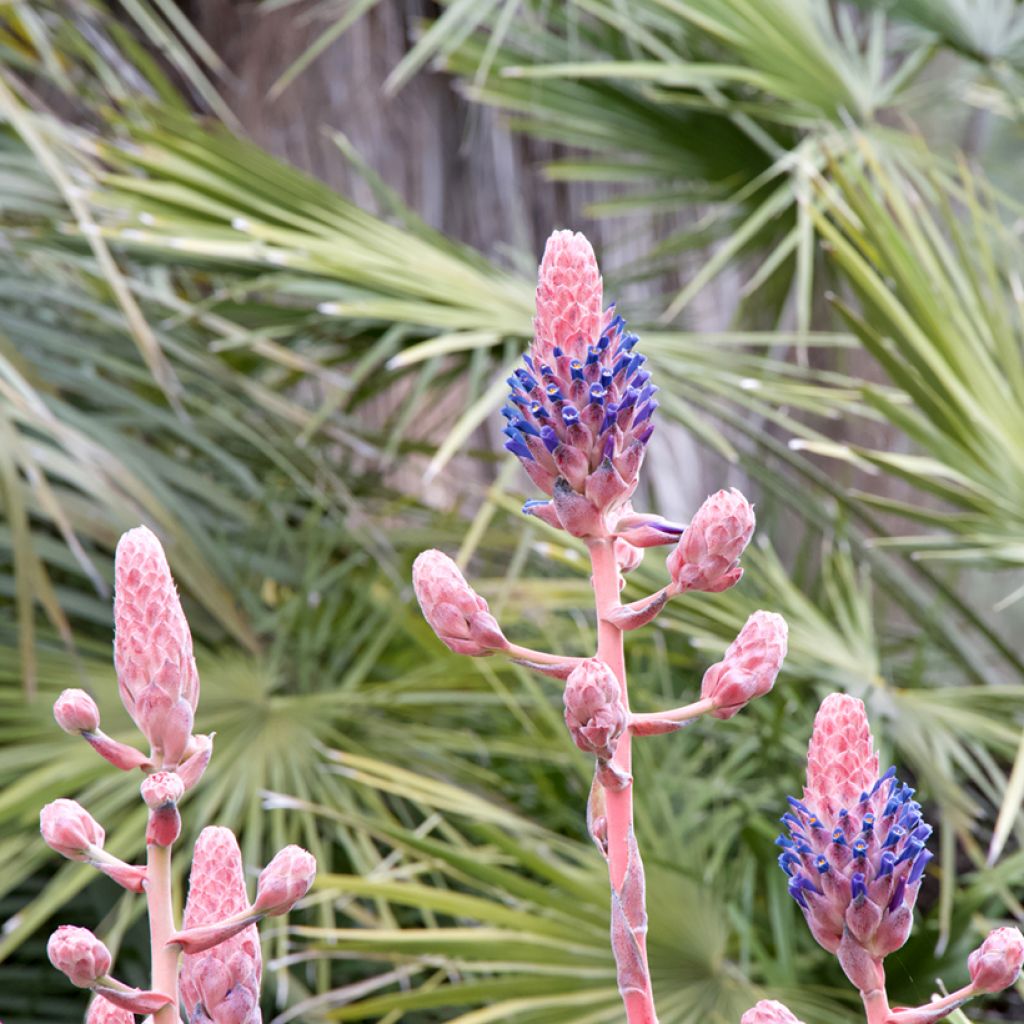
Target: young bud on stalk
x,y
997,962
708,553
284,881
76,712
751,663
161,792
77,953
70,830
594,711
455,611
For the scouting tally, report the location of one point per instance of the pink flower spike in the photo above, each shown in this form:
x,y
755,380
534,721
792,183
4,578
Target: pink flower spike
x,y
707,555
594,712
103,1011
997,962
77,953
455,611
217,892
569,298
751,663
284,881
841,758
152,643
70,830
768,1011
76,712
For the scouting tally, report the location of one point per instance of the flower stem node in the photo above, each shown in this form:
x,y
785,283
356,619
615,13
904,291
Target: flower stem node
x,y
161,792
996,963
708,553
594,712
750,666
455,611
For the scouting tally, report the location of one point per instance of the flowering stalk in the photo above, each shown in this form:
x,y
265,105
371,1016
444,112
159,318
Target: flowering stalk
x,y
579,418
159,686
855,856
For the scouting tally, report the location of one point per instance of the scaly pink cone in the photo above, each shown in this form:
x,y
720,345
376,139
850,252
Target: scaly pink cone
x,y
996,963
455,611
217,892
751,663
156,670
707,555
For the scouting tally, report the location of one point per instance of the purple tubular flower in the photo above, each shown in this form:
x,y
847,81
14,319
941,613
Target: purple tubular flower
x,y
854,871
586,420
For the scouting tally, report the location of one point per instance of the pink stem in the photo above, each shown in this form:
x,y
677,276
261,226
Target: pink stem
x,y
540,657
161,926
876,1005
619,803
683,714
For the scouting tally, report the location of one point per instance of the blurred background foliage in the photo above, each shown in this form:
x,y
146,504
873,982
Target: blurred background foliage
x,y
809,209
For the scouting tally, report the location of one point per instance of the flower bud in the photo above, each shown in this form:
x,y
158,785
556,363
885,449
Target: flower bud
x,y
69,829
707,555
768,1011
76,712
996,963
594,711
643,530
161,792
102,1011
190,771
627,557
455,611
751,663
77,953
152,645
227,990
284,881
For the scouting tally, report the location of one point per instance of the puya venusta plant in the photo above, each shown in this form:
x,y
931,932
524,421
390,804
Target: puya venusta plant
x,y
212,964
855,856
579,420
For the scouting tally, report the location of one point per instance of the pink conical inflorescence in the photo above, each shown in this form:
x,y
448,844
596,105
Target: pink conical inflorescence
x,y
77,953
216,891
769,1011
156,670
594,712
856,852
579,412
